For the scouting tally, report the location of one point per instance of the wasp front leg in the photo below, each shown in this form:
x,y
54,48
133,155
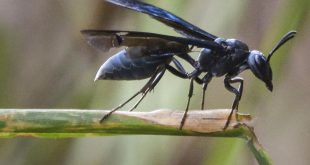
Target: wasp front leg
x,y
238,93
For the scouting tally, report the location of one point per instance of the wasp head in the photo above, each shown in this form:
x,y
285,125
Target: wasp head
x,y
260,65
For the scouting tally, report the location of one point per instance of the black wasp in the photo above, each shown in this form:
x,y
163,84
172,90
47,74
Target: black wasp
x,y
149,55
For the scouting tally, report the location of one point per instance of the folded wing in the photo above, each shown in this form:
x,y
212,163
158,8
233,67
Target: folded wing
x,y
104,40
181,26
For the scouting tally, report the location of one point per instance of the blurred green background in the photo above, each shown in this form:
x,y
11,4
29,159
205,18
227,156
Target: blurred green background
x,y
46,63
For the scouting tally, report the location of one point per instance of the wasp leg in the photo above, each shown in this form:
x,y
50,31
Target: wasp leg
x,y
178,65
189,59
150,87
194,76
238,92
190,94
206,79
143,90
181,74
176,72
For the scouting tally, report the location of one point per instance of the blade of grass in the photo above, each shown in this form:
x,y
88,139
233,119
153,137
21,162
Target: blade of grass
x,y
63,123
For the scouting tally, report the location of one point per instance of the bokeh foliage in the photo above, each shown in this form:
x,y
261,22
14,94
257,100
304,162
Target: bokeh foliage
x,y
45,63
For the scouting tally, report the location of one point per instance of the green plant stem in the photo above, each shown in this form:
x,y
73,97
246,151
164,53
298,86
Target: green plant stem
x,y
63,123
256,148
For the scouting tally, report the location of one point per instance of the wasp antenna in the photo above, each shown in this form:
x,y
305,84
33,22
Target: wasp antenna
x,y
284,39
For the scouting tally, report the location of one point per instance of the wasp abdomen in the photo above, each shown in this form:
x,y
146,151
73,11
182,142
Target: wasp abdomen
x,y
122,66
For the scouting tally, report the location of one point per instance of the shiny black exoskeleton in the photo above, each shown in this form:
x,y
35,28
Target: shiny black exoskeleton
x,y
150,55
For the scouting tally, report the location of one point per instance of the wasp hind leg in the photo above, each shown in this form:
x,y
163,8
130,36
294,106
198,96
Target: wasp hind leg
x,y
146,88
149,87
238,92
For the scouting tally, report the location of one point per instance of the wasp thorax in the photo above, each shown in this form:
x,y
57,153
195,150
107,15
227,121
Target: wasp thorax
x,y
206,59
237,44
